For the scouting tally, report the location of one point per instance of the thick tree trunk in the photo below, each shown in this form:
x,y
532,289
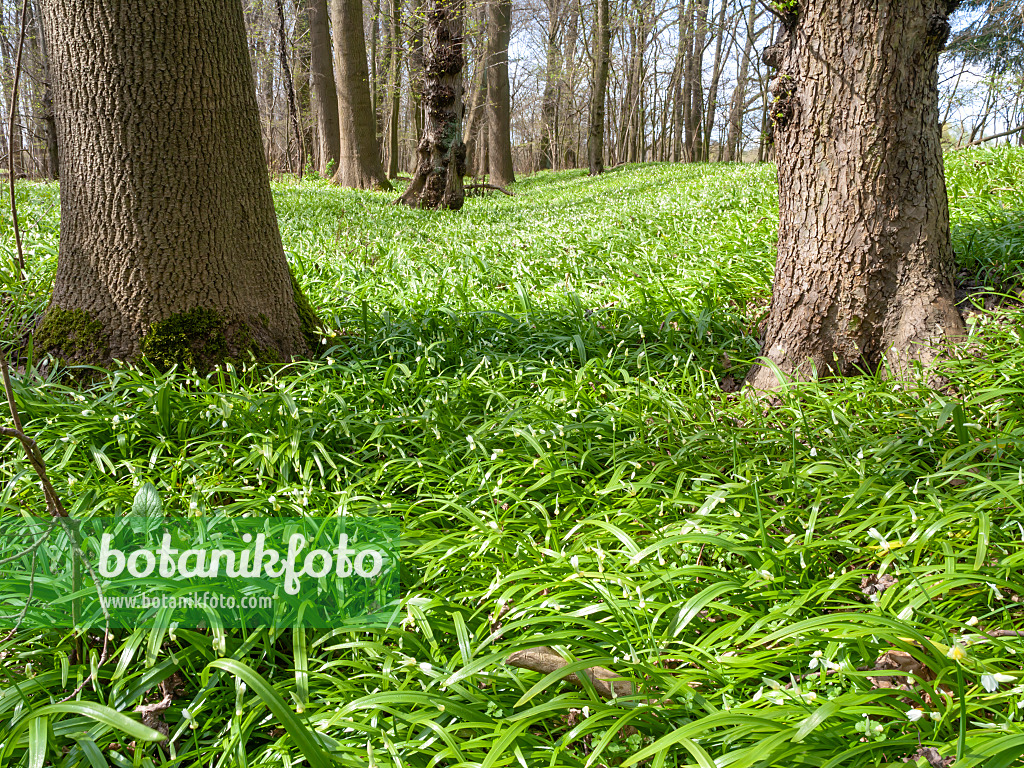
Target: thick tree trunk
x,y
865,265
324,90
169,245
602,56
359,163
499,117
441,153
46,102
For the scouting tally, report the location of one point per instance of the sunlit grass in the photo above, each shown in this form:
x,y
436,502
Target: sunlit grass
x,y
532,387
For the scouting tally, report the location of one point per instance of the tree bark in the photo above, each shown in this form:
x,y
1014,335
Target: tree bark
x,y
359,164
865,266
499,117
416,72
169,245
324,90
475,136
395,86
441,154
602,56
552,79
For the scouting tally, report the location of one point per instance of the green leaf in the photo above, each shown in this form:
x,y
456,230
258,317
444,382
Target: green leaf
x,y
297,729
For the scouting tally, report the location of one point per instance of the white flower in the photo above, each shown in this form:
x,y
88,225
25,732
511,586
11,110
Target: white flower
x,y
882,543
990,682
957,652
914,714
972,622
815,660
936,716
767,575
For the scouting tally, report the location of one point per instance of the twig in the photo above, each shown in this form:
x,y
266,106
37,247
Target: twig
x,y
544,660
976,142
488,186
10,139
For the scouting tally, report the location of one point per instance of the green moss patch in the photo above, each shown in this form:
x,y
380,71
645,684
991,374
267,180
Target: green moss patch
x,y
193,339
72,334
309,323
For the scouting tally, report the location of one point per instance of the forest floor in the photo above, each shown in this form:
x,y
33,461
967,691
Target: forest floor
x,y
539,389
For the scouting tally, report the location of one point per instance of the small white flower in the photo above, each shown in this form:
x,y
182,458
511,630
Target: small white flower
x,y
936,716
972,622
914,714
767,575
575,562
814,452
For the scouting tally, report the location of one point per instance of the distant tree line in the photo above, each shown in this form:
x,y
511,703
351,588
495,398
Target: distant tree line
x,y
544,83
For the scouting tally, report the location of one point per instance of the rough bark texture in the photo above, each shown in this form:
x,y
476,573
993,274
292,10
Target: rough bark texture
x,y
499,129
327,147
864,271
602,55
359,164
168,240
441,154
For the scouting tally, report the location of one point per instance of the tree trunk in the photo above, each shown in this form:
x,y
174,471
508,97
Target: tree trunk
x,y
865,265
475,135
602,55
716,74
359,163
441,153
416,73
395,86
301,79
737,109
169,245
325,93
499,129
46,105
552,77
289,83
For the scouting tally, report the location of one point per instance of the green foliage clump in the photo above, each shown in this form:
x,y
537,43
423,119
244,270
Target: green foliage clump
x,y
533,388
190,340
72,334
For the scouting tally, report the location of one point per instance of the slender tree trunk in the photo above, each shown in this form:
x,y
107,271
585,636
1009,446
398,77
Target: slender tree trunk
x,y
46,105
17,144
293,101
602,57
716,74
169,245
441,153
359,162
395,86
301,78
552,76
324,90
864,275
499,129
416,73
476,128
737,109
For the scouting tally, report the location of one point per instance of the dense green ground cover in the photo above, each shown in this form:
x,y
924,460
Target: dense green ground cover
x,y
532,386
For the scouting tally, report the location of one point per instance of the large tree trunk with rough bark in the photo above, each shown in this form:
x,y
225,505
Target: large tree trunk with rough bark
x,y
602,56
499,129
865,265
327,148
169,245
359,164
441,155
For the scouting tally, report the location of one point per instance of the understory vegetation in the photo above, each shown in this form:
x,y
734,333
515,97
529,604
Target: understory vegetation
x,y
541,389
